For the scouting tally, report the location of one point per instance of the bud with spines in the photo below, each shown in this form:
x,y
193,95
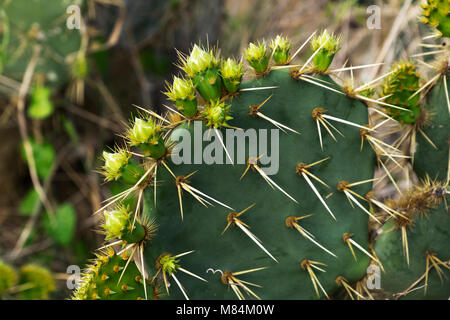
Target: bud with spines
x,y
280,47
217,114
202,66
120,164
119,225
399,89
257,56
182,92
145,134
329,45
436,14
169,264
231,72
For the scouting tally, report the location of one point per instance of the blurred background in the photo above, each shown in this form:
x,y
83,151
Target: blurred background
x,y
67,93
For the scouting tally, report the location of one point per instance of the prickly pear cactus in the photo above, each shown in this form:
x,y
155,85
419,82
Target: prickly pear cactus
x,y
253,189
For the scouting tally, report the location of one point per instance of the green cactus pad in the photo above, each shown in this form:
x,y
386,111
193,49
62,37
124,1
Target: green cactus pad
x,y
291,104
427,159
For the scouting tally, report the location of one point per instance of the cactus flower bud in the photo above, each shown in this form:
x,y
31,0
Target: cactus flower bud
x,y
199,61
116,221
280,46
329,45
182,92
231,72
257,56
114,163
217,114
202,67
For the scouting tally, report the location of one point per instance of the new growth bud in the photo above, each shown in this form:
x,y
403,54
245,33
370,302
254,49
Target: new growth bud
x,y
257,56
145,135
182,92
329,45
119,224
231,72
280,47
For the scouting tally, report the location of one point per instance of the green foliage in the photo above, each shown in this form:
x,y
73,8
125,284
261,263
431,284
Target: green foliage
x,y
29,202
62,229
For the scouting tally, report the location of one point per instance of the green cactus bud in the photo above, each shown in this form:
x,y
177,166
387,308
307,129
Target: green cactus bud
x,y
120,223
435,13
119,164
115,221
8,277
114,163
38,281
202,67
41,106
231,72
280,46
257,56
217,114
145,135
169,264
329,45
400,88
182,92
